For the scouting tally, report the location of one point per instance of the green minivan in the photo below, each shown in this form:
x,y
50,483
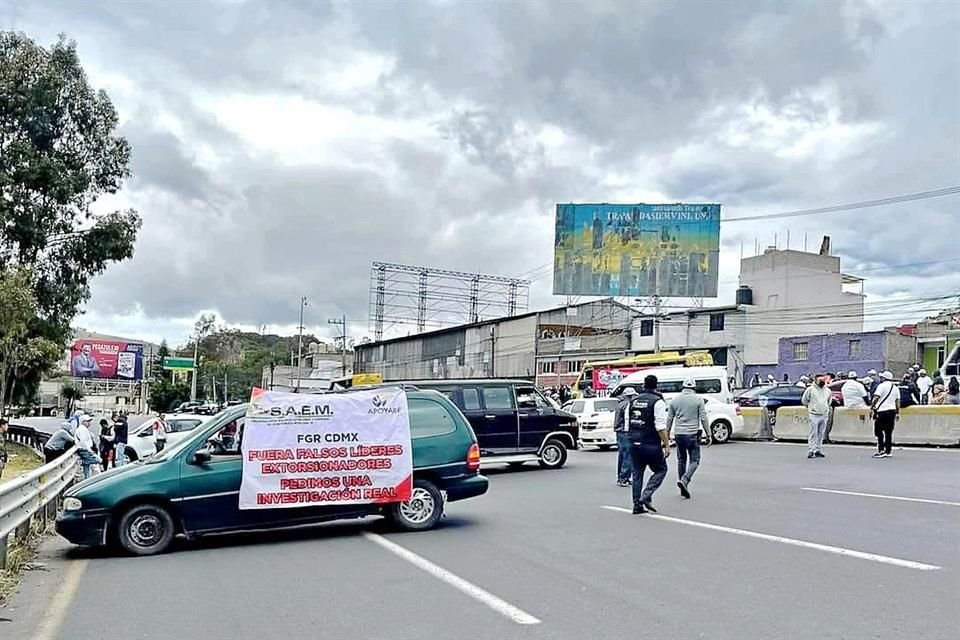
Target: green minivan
x,y
192,488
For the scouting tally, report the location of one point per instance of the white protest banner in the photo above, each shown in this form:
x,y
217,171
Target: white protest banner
x,y
313,450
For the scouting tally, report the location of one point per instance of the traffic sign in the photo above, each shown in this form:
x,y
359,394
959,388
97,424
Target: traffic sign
x,y
173,363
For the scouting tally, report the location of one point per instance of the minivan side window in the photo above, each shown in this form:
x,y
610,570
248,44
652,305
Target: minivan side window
x,y
429,418
530,398
498,397
471,399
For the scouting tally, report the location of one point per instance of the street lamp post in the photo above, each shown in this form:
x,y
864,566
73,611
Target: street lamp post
x,y
303,303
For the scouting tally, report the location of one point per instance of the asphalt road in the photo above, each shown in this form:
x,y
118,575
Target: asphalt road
x,y
544,558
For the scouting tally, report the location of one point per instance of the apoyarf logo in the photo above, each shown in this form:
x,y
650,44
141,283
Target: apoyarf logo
x,y
379,403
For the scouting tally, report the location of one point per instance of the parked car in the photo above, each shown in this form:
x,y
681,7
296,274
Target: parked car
x,y
187,407
192,488
141,443
771,396
724,419
513,420
710,382
595,417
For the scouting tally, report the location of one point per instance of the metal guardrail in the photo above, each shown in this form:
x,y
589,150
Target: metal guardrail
x,y
27,436
33,494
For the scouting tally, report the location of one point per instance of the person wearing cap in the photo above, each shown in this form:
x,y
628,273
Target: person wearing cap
x,y
886,411
687,414
621,423
649,443
817,399
84,438
924,383
59,442
803,382
854,393
909,392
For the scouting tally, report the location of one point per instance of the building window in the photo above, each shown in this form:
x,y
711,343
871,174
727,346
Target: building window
x,y
646,327
573,366
548,367
940,356
855,347
716,322
801,350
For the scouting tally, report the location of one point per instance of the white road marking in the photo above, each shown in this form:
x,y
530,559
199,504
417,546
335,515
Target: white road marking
x,y
61,601
908,564
500,606
882,497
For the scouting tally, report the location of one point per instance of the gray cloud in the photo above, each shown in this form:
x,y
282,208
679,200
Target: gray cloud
x,y
687,100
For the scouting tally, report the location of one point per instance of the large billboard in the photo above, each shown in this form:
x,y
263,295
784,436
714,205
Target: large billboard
x,y
112,359
637,250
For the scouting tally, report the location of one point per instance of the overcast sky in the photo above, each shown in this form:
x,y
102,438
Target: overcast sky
x,y
280,147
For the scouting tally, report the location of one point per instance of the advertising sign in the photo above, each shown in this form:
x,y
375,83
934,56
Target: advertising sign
x,y
109,359
313,450
606,378
637,250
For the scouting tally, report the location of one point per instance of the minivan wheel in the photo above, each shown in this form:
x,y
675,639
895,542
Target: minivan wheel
x,y
721,431
553,455
146,529
422,511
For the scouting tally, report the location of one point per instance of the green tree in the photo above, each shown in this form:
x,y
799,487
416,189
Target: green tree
x,y
59,153
165,395
18,311
72,395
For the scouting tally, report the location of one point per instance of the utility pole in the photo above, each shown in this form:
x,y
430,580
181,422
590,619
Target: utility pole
x,y
493,350
656,310
193,378
342,323
303,303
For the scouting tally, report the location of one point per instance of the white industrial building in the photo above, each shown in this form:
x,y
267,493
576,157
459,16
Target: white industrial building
x,y
549,346
782,293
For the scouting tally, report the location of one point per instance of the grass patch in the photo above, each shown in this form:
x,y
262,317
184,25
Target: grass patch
x,y
19,552
21,460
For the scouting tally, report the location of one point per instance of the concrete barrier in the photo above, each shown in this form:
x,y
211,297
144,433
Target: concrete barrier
x,y
920,425
792,424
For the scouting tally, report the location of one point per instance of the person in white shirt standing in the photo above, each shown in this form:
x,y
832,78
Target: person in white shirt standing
x,y
886,412
854,394
160,433
924,383
817,399
84,440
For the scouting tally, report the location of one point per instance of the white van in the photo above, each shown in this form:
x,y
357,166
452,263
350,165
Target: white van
x,y
712,382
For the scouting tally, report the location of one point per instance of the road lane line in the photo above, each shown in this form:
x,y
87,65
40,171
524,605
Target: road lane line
x,y
500,606
61,601
882,497
862,555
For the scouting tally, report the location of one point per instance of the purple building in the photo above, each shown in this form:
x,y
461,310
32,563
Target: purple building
x,y
799,355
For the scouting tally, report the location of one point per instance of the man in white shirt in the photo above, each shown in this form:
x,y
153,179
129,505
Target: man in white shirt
x,y
886,412
854,393
817,400
84,440
924,382
649,443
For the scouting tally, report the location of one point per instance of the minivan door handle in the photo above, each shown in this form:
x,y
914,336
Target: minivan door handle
x,y
489,417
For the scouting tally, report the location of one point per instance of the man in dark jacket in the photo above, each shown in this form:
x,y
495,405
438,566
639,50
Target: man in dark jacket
x,y
120,438
650,443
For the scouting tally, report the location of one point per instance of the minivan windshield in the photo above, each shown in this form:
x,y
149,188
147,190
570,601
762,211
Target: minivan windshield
x,y
169,452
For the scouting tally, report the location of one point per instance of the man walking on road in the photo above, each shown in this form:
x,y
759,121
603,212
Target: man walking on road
x,y
817,401
650,443
621,423
687,414
120,437
886,412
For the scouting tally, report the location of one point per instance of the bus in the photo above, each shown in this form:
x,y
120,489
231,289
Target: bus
x,y
597,379
355,380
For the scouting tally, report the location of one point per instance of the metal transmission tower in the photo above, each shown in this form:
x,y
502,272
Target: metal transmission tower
x,y
431,298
